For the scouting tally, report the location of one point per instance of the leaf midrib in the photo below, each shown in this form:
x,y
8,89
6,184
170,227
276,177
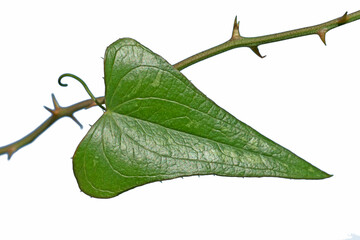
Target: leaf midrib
x,y
188,159
208,139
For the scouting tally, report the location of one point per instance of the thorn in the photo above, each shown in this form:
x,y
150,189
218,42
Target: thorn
x,y
10,152
75,120
321,34
55,102
56,106
50,110
236,31
343,19
256,51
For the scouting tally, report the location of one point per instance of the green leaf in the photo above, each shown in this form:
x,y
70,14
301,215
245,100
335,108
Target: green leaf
x,y
159,126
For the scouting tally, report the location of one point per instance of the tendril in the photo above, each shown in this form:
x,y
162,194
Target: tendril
x,y
82,83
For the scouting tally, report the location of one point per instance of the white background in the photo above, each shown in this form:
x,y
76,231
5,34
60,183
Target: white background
x,y
303,95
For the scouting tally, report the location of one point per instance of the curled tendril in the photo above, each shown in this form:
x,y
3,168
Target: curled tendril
x,y
82,83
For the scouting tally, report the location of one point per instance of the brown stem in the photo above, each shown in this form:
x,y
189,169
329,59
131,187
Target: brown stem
x,y
56,113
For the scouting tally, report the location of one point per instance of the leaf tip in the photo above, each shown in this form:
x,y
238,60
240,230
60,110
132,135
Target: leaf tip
x,y
326,175
319,174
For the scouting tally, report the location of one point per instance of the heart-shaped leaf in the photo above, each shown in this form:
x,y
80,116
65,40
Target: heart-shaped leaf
x,y
159,126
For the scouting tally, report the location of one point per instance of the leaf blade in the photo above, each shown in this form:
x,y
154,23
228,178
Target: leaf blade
x,y
155,153
165,111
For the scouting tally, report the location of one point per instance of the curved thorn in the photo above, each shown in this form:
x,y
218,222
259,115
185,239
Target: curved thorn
x,y
256,51
11,151
82,83
343,19
321,34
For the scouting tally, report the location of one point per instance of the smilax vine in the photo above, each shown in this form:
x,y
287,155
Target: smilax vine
x,y
157,125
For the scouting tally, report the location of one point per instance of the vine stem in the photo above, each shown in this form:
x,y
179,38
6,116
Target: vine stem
x,y
236,41
56,113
